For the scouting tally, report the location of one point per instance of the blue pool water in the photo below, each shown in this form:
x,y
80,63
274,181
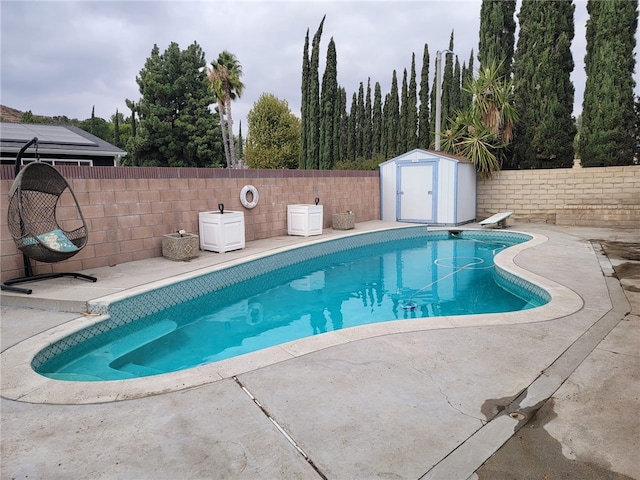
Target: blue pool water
x,y
422,276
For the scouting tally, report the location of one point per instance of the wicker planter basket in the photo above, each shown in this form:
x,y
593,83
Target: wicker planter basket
x,y
343,221
180,247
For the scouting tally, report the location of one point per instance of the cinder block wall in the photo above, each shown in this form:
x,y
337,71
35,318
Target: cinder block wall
x,y
128,210
599,196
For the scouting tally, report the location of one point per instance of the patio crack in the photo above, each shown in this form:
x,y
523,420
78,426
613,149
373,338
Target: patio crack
x,y
446,397
280,428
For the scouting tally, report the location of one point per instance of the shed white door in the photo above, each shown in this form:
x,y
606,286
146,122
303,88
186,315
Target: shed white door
x,y
416,192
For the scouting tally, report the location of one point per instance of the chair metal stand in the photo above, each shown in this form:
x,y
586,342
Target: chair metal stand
x,y
30,277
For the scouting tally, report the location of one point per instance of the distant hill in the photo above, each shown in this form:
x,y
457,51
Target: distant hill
x,y
8,114
11,115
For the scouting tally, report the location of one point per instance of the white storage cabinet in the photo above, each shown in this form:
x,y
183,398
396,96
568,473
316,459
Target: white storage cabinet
x,y
304,220
221,232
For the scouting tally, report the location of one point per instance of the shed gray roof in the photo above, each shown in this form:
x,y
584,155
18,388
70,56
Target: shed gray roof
x,y
55,139
428,154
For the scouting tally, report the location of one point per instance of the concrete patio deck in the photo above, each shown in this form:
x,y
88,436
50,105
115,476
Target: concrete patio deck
x,y
510,400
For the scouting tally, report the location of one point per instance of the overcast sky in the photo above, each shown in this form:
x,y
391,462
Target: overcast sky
x,y
62,58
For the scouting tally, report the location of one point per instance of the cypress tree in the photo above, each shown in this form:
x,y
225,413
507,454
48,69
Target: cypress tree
x,y
432,117
467,78
360,123
304,105
497,34
412,108
368,121
376,148
240,144
352,141
344,125
384,134
313,132
393,118
424,132
337,119
328,105
401,145
543,137
93,120
448,88
116,129
608,117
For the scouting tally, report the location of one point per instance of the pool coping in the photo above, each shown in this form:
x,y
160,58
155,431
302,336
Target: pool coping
x,y
20,382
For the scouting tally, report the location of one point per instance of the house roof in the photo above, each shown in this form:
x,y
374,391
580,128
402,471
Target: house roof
x,y
55,139
429,154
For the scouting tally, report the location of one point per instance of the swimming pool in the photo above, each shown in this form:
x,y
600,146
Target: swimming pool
x,y
399,274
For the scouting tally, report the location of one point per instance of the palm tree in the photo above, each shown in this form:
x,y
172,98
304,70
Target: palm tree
x,y
224,75
470,138
482,131
492,102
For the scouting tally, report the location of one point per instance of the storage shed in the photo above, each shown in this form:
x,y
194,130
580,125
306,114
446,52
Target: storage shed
x,y
425,186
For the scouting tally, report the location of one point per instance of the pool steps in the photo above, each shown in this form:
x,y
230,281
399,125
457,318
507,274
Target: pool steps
x,y
120,347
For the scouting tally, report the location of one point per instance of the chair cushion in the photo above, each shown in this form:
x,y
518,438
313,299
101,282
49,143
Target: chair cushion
x,y
57,240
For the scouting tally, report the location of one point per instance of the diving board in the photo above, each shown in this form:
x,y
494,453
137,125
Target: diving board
x,y
499,220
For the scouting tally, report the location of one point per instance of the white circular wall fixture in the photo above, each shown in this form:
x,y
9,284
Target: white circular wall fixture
x,y
244,196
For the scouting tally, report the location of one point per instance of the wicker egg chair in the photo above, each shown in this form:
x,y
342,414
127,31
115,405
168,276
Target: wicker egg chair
x,y
33,200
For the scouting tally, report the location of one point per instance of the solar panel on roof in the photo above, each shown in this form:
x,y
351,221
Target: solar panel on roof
x,y
45,133
15,131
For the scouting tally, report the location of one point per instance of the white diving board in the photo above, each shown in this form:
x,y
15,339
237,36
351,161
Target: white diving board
x,y
499,220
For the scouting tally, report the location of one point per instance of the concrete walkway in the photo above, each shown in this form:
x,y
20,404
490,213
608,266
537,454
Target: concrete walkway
x,y
545,397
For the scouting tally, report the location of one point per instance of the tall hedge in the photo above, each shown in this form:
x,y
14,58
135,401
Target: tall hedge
x,y
608,118
543,136
328,107
497,34
424,125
